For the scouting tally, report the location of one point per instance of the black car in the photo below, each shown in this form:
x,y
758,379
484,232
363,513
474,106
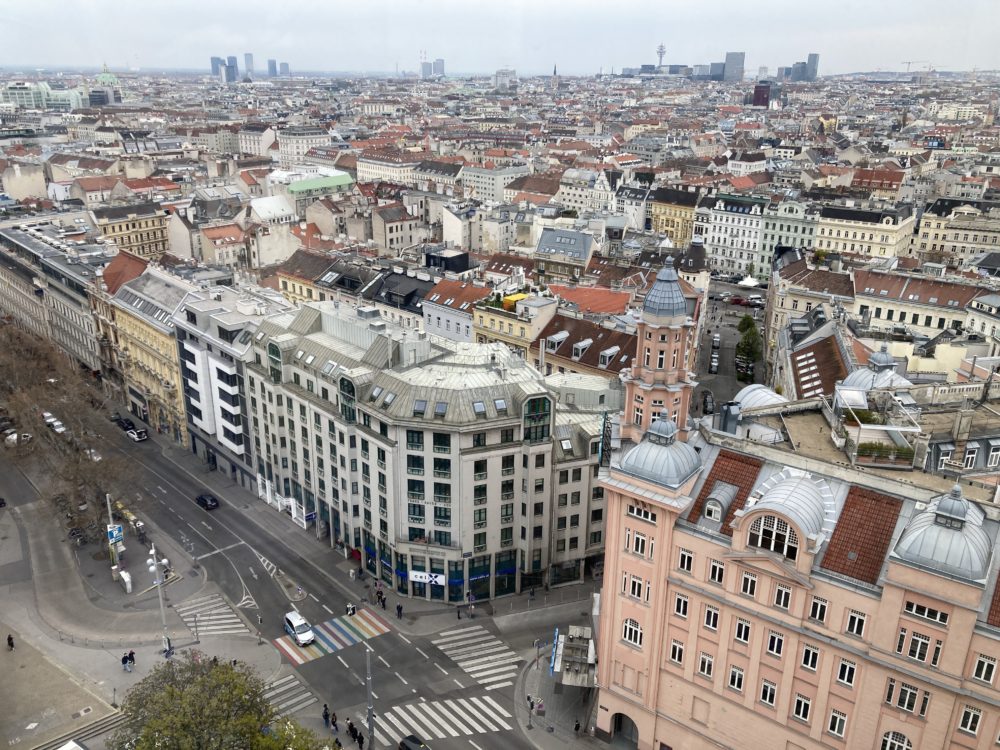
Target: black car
x,y
708,403
412,742
124,422
208,502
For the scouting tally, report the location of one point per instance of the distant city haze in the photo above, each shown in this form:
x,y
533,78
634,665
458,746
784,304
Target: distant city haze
x,y
582,37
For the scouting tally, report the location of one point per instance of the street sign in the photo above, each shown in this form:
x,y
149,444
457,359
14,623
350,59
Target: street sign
x,y
420,576
310,516
115,532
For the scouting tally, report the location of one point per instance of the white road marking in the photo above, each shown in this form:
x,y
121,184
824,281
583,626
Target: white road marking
x,y
384,662
403,637
161,489
220,549
458,683
475,745
440,667
401,679
330,611
341,660
488,711
313,597
461,712
206,525
419,651
490,727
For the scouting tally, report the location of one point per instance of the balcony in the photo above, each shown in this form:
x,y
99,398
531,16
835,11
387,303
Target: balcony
x,y
507,472
506,542
479,548
479,501
443,499
418,496
479,525
479,477
507,496
416,519
380,464
383,535
442,522
506,519
383,512
414,471
442,449
442,474
415,446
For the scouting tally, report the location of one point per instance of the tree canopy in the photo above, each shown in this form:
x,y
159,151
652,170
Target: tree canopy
x,y
750,345
746,322
191,703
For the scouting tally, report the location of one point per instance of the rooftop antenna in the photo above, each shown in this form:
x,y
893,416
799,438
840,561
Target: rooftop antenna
x,y
660,52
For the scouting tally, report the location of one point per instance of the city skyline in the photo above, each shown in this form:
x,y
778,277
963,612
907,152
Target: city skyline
x,y
531,39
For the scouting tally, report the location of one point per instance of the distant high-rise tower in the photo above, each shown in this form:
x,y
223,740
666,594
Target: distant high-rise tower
x,y
660,52
231,62
812,66
229,73
734,66
272,68
283,69
555,78
426,69
248,63
439,66
217,63
761,72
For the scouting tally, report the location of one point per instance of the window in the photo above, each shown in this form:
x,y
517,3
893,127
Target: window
x,y
681,606
742,630
802,706
736,678
837,724
635,587
918,646
419,408
927,613
810,657
631,632
767,692
748,584
639,544
705,665
685,560
895,741
856,623
782,596
986,667
636,511
775,643
773,534
846,672
711,618
817,609
677,652
713,510
969,722
906,699
716,571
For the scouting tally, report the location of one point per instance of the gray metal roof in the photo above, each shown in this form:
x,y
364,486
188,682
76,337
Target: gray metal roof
x,y
660,458
948,537
666,299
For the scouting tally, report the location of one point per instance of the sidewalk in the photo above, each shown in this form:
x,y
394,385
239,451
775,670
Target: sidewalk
x,y
420,617
553,729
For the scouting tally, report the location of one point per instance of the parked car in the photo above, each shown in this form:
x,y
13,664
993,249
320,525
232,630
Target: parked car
x,y
708,403
125,423
92,454
716,340
755,300
713,367
57,427
737,300
207,501
137,436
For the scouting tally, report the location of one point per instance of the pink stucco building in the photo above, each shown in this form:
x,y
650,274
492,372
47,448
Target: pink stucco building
x,y
772,596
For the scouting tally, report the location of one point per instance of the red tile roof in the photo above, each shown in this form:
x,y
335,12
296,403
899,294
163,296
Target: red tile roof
x,y
735,469
593,300
861,539
453,294
993,616
817,368
124,267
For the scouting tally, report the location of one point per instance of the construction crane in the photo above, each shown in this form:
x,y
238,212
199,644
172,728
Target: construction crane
x,y
908,63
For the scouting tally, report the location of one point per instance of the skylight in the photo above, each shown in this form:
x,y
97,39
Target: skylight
x,y
419,408
501,405
479,408
376,392
440,408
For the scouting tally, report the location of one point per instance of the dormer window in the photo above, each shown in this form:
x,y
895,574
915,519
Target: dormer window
x,y
773,534
581,347
608,355
713,510
552,342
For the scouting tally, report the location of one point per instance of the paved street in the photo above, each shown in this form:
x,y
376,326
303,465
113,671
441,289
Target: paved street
x,y
238,569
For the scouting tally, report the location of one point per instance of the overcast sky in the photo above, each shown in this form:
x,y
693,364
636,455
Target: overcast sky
x,y
478,36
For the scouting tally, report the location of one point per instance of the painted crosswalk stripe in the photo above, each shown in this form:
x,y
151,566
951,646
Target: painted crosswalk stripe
x,y
485,708
500,709
211,615
487,647
464,640
490,726
505,669
334,635
502,657
432,718
457,635
403,730
288,695
420,721
468,719
499,685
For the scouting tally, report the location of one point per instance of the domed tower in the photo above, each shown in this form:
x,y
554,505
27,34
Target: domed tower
x,y
658,380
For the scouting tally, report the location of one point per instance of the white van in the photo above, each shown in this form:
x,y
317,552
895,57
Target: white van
x,y
300,630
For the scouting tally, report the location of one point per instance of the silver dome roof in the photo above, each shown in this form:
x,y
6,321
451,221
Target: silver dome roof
x,y
805,500
881,359
665,297
758,395
948,537
660,458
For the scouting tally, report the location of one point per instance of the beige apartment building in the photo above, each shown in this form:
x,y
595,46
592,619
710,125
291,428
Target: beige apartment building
x,y
515,321
954,231
767,596
879,232
137,229
672,213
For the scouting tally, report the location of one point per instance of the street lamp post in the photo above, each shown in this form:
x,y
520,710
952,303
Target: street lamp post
x,y
158,568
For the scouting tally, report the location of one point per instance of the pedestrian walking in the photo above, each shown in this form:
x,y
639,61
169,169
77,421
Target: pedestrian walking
x,y
326,716
131,660
361,741
336,743
333,722
351,730
531,704
399,611
383,602
576,727
458,611
10,642
125,662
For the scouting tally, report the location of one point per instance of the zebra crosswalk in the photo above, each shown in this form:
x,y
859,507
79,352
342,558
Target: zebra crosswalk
x,y
288,695
481,655
440,719
211,615
334,635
